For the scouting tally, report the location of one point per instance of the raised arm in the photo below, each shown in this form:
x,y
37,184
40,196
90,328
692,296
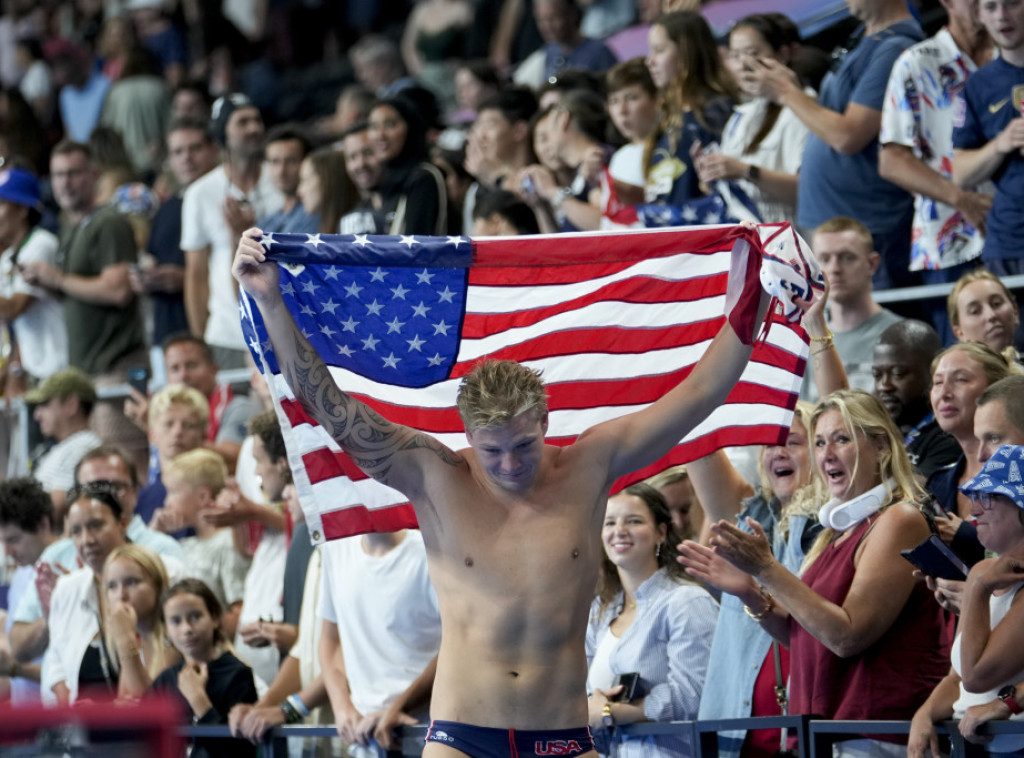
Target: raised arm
x,y
641,438
971,167
393,454
827,365
990,657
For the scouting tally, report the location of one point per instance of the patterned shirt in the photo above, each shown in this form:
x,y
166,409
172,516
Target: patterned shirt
x,y
918,113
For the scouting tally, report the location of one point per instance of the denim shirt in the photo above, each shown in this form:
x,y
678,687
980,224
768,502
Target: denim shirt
x,y
667,645
740,644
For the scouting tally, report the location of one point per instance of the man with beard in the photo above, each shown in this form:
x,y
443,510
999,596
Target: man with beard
x,y
901,368
215,209
364,170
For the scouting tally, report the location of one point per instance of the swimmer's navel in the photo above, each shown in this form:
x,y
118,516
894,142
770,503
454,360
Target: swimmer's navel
x,y
513,674
575,553
469,562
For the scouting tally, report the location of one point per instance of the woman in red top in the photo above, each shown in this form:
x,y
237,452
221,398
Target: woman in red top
x,y
867,641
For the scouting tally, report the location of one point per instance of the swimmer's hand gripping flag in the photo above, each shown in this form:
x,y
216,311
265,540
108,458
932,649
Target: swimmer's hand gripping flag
x,y
614,320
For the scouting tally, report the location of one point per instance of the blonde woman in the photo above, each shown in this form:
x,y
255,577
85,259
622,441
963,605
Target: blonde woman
x,y
981,308
867,641
133,580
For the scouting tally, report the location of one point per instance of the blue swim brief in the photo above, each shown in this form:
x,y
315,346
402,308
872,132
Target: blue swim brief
x,y
487,742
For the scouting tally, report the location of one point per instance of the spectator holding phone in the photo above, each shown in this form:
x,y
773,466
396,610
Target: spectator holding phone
x,y
959,375
647,614
987,656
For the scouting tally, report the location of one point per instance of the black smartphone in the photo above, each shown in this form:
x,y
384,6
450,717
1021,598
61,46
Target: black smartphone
x,y
629,684
934,558
138,379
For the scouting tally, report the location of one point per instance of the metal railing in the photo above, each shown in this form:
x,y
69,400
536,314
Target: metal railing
x,y
815,737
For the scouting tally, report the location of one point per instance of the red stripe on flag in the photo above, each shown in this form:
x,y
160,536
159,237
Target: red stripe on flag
x,y
537,276
569,250
644,290
358,519
609,339
323,464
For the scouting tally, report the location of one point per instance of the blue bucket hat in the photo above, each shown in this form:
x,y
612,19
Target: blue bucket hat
x,y
20,187
1002,474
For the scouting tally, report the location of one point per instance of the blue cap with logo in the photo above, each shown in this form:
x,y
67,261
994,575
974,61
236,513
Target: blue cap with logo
x,y
1002,474
20,187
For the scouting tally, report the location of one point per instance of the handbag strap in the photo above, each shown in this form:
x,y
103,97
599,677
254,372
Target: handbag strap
x,y
780,693
780,684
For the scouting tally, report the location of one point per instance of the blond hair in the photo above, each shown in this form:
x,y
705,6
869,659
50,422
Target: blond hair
x,y
864,415
178,394
668,476
495,392
802,413
995,365
199,468
840,224
978,275
153,568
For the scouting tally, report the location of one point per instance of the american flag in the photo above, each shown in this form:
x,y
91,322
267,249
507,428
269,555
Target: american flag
x,y
613,320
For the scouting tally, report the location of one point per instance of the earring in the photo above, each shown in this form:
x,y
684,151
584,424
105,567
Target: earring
x,y
657,550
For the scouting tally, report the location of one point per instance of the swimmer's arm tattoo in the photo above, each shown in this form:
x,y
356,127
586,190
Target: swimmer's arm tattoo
x,y
366,436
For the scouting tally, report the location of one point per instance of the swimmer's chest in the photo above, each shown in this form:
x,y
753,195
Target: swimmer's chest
x,y
547,543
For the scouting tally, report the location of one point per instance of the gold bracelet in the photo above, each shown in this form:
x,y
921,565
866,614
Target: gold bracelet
x,y
769,604
606,712
128,654
827,344
827,338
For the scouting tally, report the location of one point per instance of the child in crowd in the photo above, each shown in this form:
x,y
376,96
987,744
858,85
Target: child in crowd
x,y
209,679
633,108
134,578
193,481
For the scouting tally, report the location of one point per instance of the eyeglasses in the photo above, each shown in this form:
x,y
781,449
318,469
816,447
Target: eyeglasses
x,y
109,492
987,500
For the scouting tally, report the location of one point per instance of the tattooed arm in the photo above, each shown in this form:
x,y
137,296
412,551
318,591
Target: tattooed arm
x,y
393,454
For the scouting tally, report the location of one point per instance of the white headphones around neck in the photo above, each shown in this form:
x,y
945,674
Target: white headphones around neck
x,y
843,514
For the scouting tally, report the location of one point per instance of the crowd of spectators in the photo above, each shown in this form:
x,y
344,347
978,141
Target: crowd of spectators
x,y
140,138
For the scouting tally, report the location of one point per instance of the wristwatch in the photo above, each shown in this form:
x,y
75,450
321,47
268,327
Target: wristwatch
x,y
1008,695
607,718
753,173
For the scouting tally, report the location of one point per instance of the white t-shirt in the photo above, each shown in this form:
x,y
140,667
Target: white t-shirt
x,y
264,584
56,468
627,165
387,616
37,82
216,562
782,149
202,224
40,330
999,606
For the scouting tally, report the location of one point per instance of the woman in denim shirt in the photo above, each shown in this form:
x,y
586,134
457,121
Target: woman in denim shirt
x,y
742,667
648,620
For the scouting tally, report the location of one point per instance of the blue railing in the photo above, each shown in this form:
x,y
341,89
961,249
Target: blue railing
x,y
814,737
